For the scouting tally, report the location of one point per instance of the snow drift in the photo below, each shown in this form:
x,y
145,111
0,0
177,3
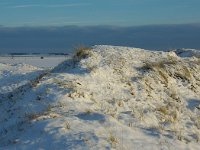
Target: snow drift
x,y
106,97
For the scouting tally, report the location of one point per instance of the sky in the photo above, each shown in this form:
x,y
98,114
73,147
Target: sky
x,y
16,13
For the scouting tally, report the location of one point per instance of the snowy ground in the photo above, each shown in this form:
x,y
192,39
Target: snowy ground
x,y
105,98
35,60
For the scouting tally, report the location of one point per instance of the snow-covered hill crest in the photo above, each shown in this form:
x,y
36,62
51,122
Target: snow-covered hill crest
x,y
108,97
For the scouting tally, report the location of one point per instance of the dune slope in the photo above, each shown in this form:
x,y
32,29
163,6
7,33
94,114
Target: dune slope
x,y
106,97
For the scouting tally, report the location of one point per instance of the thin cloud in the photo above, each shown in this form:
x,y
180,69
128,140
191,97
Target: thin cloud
x,y
25,6
69,5
51,6
50,23
65,22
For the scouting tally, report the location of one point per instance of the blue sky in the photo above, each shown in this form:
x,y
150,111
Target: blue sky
x,y
98,12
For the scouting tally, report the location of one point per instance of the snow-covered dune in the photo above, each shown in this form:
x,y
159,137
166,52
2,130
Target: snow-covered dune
x,y
187,52
14,76
106,97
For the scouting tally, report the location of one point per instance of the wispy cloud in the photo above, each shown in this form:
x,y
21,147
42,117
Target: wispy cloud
x,y
64,23
24,6
51,23
69,5
50,6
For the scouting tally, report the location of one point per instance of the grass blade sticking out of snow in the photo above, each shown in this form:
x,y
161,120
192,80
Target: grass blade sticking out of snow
x,y
81,52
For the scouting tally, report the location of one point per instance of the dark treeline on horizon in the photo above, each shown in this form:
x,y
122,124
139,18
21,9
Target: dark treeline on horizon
x,y
64,39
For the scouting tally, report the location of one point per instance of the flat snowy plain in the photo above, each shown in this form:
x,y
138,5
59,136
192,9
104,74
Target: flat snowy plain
x,y
106,97
35,60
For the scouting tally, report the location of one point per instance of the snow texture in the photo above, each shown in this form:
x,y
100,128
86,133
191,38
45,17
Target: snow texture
x,y
112,98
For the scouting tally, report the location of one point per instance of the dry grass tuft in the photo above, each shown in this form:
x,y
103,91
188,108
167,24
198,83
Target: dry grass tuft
x,y
163,110
82,52
112,139
33,116
158,65
67,125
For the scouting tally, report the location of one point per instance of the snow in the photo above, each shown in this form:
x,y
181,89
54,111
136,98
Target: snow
x,y
116,98
35,60
187,52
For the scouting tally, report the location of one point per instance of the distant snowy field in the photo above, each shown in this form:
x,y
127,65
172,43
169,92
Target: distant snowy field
x,y
107,97
35,60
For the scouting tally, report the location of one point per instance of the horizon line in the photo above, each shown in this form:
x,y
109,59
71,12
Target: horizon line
x,y
118,26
